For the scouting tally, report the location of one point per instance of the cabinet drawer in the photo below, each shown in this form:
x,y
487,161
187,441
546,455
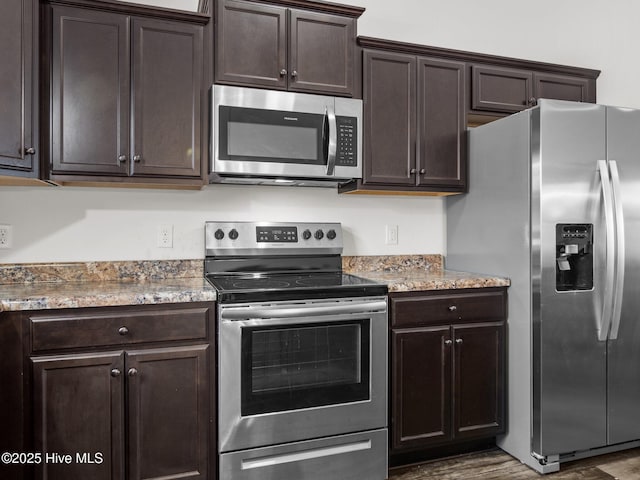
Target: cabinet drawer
x,y
446,307
69,330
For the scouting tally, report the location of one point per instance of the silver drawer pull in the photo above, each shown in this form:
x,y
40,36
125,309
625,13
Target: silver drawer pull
x,y
123,331
458,341
452,308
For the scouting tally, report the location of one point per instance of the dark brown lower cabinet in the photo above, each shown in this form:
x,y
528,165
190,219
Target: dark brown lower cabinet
x,y
447,368
126,410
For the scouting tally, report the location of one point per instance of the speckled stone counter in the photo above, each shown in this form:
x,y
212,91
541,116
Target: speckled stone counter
x,y
406,273
99,284
42,296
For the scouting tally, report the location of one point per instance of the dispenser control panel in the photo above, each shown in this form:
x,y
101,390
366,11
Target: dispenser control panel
x,y
574,256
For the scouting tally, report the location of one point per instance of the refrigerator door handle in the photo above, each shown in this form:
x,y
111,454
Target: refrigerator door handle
x,y
607,301
620,250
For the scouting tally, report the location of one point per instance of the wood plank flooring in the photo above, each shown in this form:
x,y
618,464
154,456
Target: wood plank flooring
x,y
497,465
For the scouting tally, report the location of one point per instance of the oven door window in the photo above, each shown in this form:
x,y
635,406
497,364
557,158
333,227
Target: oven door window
x,y
293,367
257,135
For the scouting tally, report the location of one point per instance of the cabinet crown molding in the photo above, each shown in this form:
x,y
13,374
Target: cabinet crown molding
x,y
137,10
317,6
472,57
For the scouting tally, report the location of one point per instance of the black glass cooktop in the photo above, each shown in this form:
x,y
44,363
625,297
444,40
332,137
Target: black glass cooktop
x,y
292,286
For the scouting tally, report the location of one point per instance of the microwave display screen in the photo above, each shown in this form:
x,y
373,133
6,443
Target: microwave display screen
x,y
261,140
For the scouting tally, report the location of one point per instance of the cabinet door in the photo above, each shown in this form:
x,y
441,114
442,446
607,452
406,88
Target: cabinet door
x,y
478,380
89,92
321,53
389,90
562,87
167,84
501,90
78,410
441,123
251,44
18,98
421,386
168,413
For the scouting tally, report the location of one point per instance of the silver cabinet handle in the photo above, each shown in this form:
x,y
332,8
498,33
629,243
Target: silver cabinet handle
x,y
30,151
283,72
452,308
422,171
458,341
533,101
123,331
122,158
412,171
448,342
132,372
115,372
137,158
294,74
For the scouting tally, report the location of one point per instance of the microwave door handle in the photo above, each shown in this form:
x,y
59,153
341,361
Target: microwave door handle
x,y
332,139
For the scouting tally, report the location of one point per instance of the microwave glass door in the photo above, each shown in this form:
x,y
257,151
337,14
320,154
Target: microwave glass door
x,y
259,135
300,366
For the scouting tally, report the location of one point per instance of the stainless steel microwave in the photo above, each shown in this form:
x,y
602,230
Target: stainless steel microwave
x,y
284,138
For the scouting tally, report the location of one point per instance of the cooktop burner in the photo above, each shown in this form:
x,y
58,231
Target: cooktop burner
x,y
258,287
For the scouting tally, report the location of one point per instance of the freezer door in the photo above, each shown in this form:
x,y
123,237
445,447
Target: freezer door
x,y
569,362
623,148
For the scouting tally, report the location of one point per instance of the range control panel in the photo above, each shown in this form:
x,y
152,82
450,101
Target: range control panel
x,y
271,238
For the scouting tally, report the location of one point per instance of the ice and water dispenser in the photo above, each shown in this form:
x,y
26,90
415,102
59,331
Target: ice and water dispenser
x,y
574,256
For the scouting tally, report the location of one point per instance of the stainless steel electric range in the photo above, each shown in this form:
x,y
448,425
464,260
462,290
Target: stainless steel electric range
x,y
302,355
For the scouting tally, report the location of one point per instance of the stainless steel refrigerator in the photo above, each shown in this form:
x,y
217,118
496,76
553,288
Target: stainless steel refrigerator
x,y
554,204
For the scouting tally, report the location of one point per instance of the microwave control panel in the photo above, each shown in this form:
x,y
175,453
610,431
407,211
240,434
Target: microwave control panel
x,y
347,150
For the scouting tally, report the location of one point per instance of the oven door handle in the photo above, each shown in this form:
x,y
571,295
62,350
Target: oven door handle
x,y
249,312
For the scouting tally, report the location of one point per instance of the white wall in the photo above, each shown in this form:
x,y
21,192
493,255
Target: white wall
x,y
82,224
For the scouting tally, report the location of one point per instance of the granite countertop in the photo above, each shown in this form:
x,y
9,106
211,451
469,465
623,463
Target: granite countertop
x,y
420,280
99,284
407,273
42,296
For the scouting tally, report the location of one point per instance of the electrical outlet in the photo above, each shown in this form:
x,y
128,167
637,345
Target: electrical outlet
x,y
6,236
391,234
165,236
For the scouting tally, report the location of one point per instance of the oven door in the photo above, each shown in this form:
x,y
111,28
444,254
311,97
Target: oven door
x,y
292,371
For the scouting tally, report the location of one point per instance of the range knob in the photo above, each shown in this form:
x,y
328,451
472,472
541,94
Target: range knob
x,y
319,234
331,234
306,234
219,234
233,234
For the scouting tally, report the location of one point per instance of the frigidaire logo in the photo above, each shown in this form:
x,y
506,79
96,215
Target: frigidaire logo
x,y
293,119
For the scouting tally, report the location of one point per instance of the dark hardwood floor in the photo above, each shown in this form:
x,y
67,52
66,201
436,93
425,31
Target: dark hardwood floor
x,y
497,465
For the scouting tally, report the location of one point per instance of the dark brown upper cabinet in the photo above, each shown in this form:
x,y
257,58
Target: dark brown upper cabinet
x,y
500,90
414,124
19,149
126,93
274,46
